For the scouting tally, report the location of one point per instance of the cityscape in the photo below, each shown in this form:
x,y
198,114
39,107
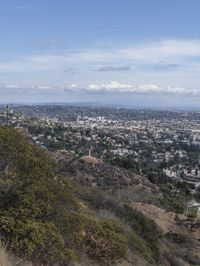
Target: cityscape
x,y
161,145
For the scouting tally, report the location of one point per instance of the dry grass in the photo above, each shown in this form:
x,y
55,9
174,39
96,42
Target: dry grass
x,y
7,259
90,159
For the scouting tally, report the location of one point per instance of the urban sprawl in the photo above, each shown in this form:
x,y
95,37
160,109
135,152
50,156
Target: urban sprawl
x,y
162,145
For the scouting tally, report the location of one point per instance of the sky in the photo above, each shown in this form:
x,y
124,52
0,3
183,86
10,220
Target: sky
x,y
127,52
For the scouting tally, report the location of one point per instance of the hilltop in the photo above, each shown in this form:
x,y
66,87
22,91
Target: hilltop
x,y
92,171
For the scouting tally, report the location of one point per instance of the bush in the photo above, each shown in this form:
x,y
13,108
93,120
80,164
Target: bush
x,y
40,217
192,213
137,243
143,226
144,233
177,238
105,241
169,202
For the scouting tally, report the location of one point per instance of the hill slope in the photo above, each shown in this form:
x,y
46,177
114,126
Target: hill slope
x,y
117,193
41,217
53,214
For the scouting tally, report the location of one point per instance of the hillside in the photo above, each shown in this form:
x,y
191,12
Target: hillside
x,y
82,211
96,173
107,188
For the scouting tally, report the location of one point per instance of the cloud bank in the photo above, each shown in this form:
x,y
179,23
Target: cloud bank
x,y
111,87
156,67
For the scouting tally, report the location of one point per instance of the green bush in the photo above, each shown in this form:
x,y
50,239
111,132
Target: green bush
x,y
137,243
192,213
172,203
143,226
105,241
40,217
144,233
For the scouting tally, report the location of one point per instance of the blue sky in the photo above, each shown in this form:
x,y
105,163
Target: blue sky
x,y
134,52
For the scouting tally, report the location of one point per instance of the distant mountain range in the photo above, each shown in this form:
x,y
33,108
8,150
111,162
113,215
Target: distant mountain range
x,y
101,104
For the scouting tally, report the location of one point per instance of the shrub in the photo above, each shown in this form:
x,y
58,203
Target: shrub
x,y
177,238
143,226
137,243
144,233
40,217
105,241
169,202
192,213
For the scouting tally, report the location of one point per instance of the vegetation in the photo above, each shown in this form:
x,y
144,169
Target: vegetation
x,y
8,259
47,219
125,162
170,199
144,234
170,203
177,238
192,213
40,217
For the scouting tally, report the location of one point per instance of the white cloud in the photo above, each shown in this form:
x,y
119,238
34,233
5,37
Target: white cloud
x,y
169,51
117,87
113,87
173,62
149,51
